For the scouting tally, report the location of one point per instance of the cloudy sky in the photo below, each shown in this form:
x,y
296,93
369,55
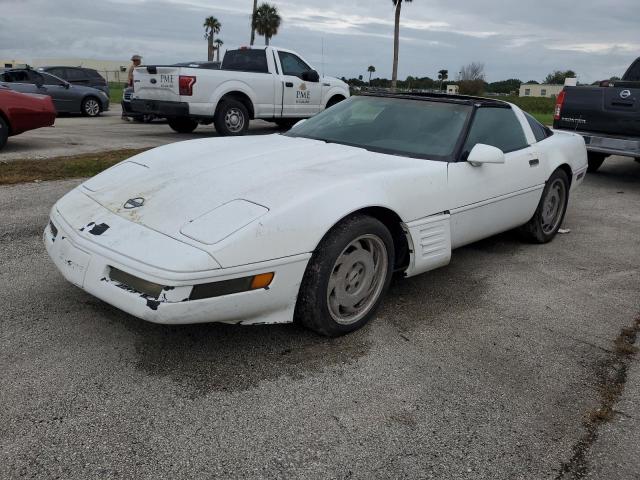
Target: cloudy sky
x,y
518,39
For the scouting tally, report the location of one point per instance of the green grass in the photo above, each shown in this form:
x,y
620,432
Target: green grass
x,y
115,92
543,118
77,166
533,104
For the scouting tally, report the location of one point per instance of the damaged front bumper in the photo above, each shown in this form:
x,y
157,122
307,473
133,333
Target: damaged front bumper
x,y
153,277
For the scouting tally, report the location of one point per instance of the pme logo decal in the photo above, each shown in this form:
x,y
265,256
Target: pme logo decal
x,y
134,203
302,94
625,94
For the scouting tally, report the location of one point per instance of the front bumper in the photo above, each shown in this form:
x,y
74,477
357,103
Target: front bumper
x,y
87,264
160,108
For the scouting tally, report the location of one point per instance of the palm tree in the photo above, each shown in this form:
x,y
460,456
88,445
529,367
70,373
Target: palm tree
x,y
371,70
218,43
396,42
211,27
442,76
253,28
266,21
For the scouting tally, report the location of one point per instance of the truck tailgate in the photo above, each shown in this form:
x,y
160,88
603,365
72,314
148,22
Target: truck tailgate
x,y
611,110
157,83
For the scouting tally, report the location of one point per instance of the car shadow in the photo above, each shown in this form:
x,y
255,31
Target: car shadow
x,y
209,357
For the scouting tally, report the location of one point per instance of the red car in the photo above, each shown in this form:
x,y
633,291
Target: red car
x,y
20,112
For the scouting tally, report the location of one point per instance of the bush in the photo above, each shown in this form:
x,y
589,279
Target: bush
x,y
471,87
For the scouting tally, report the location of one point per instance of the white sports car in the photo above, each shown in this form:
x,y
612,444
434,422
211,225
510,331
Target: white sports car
x,y
310,225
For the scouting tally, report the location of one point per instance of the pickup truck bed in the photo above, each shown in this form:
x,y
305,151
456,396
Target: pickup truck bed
x,y
608,117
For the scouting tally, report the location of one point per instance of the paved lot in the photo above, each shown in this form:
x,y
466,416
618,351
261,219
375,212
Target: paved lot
x,y
74,135
481,370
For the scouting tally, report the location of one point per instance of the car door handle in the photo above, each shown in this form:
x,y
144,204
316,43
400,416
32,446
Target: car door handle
x,y
534,163
288,84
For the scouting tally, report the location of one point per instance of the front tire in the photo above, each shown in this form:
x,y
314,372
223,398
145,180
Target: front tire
x,y
4,133
546,222
182,124
231,118
347,277
595,161
90,107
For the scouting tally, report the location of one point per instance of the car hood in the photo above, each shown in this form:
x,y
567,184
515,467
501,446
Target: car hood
x,y
184,181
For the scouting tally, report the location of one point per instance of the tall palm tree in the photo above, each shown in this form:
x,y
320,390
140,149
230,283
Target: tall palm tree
x,y
371,70
211,27
442,76
253,28
266,21
218,43
396,42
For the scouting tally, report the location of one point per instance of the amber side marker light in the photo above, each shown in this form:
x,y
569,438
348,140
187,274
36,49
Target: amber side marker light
x,y
227,287
261,281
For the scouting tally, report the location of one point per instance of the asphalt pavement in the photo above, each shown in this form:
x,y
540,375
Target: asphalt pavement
x,y
75,134
484,369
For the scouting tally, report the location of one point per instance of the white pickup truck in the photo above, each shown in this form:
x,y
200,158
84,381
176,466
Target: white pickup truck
x,y
269,83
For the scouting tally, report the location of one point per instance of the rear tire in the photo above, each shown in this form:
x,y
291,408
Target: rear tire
x,y
549,215
4,133
231,118
595,161
347,277
183,124
90,107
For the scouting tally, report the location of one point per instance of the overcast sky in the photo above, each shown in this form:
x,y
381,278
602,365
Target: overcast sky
x,y
525,40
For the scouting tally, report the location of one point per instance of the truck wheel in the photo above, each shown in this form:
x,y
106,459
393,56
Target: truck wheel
x,y
347,277
595,161
232,118
183,124
4,133
549,215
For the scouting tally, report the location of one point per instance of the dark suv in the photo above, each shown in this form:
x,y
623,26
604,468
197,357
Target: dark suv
x,y
79,76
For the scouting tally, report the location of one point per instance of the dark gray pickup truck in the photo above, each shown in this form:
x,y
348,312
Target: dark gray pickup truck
x,y
608,116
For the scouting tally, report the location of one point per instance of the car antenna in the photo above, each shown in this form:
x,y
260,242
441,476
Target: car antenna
x,y
322,70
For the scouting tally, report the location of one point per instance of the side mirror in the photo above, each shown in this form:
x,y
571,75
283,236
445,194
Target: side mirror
x,y
66,85
311,76
39,82
482,153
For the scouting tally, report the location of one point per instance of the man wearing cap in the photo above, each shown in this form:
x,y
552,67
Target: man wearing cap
x,y
136,60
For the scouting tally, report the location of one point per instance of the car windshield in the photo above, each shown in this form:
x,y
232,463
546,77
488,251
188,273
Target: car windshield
x,y
415,128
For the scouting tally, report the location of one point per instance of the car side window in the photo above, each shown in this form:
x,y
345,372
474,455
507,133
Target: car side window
x,y
539,131
58,72
50,80
292,64
19,76
498,127
74,74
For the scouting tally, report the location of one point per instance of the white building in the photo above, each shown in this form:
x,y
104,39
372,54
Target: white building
x,y
540,90
12,63
453,89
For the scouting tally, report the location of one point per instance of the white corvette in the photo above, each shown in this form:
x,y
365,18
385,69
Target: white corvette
x,y
311,224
